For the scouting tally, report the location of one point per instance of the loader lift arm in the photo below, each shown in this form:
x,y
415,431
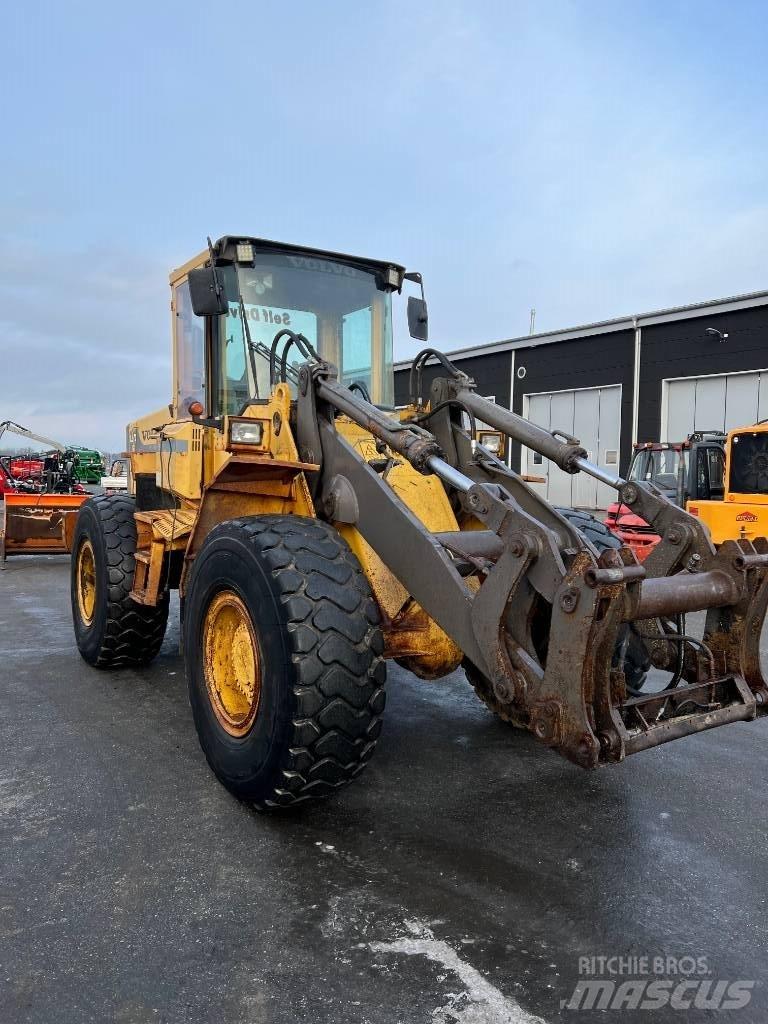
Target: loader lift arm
x,y
534,572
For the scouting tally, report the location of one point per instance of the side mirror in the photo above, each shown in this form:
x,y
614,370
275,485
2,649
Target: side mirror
x,y
206,292
417,318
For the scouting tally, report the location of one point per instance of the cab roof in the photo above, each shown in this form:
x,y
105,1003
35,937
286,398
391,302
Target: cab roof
x,y
224,248
697,437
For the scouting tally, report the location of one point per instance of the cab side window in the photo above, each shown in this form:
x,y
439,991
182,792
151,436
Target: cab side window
x,y
710,473
716,473
189,332
702,474
356,347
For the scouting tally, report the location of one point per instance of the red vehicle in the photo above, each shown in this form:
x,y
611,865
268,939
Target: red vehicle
x,y
6,481
56,482
10,484
690,470
26,468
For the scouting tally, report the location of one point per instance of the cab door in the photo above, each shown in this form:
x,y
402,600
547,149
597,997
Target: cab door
x,y
188,353
181,442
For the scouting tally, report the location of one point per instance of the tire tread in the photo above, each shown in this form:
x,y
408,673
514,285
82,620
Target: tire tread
x,y
332,631
133,633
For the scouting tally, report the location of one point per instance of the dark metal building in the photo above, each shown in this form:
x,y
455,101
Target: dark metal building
x,y
649,377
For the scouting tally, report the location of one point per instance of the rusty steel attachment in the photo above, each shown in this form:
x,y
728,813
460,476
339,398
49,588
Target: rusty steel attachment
x,y
39,524
540,614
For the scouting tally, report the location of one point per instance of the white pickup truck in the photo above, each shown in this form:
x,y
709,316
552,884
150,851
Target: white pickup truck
x,y
117,479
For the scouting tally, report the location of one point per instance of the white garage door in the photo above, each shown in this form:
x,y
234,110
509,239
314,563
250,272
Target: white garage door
x,y
594,416
713,403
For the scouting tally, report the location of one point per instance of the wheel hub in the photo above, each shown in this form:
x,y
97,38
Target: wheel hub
x,y
86,582
231,663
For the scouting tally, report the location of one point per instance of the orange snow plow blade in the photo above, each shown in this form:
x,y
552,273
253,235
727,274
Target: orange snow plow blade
x,y
39,524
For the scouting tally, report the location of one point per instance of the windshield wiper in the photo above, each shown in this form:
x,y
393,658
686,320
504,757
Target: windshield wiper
x,y
247,332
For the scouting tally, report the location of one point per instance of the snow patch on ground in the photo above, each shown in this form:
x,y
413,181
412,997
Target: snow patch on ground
x,y
479,1002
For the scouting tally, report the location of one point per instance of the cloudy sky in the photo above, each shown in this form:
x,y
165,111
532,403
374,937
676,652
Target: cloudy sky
x,y
590,159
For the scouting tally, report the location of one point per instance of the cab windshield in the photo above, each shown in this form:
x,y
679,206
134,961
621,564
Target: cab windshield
x,y
340,309
659,467
749,463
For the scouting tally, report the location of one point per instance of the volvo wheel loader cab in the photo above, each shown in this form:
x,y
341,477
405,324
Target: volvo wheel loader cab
x,y
314,532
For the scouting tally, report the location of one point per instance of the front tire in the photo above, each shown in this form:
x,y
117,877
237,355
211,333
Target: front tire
x,y
283,653
111,629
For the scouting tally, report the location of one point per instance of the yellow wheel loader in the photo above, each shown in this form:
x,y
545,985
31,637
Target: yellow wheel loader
x,y
313,532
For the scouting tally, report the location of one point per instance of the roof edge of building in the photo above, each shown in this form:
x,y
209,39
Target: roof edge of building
x,y
725,305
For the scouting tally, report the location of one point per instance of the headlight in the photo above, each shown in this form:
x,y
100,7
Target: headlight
x,y
246,432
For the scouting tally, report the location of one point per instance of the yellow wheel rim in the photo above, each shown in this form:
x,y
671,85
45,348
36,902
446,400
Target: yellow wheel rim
x,y
86,582
231,663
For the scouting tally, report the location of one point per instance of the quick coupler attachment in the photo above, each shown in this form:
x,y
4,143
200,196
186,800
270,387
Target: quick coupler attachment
x,y
581,704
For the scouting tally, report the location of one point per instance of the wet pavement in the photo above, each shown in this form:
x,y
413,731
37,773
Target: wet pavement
x,y
460,880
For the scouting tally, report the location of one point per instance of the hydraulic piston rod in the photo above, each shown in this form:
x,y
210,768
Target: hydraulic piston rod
x,y
417,446
566,452
563,451
448,474
611,479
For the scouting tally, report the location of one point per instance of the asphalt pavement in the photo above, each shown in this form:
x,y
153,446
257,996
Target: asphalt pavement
x,y
463,879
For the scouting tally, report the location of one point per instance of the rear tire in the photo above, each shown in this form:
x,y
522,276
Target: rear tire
x,y
595,531
111,630
630,651
294,713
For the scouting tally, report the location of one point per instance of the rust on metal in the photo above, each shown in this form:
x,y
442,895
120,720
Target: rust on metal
x,y
685,592
42,524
